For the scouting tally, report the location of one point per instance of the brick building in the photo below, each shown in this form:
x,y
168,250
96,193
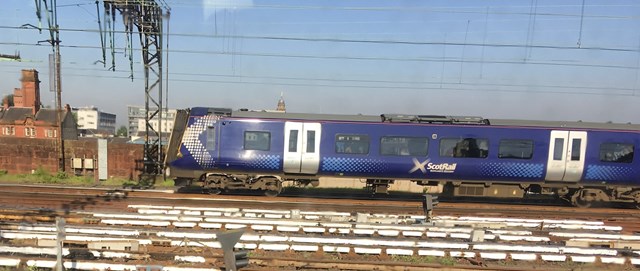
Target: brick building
x,y
26,119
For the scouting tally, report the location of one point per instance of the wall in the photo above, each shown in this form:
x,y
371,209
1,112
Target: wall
x,y
22,155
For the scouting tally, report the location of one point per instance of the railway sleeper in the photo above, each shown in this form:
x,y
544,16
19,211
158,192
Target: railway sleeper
x,y
215,183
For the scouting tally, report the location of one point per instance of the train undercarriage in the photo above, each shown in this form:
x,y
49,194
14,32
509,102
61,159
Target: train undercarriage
x,y
579,196
216,183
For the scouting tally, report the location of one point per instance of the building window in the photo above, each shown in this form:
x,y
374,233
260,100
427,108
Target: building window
x,y
616,152
51,133
515,149
9,130
464,147
30,132
352,144
259,141
404,146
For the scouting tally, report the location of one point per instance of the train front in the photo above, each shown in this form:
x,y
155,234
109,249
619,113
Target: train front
x,y
192,145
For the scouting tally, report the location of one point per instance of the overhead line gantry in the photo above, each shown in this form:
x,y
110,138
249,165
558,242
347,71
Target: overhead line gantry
x,y
144,17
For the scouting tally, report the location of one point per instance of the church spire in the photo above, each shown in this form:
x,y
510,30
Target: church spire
x,y
281,106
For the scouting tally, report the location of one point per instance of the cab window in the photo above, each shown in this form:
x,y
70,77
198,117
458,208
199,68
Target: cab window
x,y
257,140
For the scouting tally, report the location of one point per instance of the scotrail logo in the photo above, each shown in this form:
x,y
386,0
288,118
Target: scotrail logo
x,y
431,167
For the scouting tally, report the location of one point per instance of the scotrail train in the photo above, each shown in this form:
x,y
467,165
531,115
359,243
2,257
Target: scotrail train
x,y
584,163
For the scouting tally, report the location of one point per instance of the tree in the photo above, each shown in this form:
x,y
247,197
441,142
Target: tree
x,y
122,131
10,98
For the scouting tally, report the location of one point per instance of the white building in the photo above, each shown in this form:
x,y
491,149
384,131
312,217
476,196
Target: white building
x,y
137,121
95,121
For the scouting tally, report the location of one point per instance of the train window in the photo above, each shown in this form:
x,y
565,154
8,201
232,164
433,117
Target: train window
x,y
353,144
558,149
616,152
515,149
404,146
211,138
259,141
293,141
464,147
575,149
311,141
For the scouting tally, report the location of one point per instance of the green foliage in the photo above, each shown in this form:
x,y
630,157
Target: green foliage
x,y
10,99
61,175
122,131
446,261
42,176
3,172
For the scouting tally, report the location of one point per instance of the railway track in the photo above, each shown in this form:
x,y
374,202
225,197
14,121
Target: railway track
x,y
38,204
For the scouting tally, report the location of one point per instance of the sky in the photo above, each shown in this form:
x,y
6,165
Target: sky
x,y
517,59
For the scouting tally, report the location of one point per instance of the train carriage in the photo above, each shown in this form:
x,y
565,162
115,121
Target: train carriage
x,y
584,163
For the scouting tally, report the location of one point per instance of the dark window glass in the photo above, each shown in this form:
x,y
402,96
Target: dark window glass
x,y
575,149
211,138
616,152
404,146
516,149
464,147
293,141
557,149
311,141
259,141
353,144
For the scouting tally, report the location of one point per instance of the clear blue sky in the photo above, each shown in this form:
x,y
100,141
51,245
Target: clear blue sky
x,y
529,59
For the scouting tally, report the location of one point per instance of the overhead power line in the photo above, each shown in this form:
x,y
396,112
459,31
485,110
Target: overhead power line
x,y
376,84
367,41
365,58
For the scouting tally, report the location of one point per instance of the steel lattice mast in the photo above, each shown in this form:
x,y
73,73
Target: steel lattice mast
x,y
147,17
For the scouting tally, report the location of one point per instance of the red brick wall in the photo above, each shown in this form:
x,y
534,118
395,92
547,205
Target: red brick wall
x,y
22,155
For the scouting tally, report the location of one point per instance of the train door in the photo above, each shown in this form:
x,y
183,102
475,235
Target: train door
x,y
301,147
566,155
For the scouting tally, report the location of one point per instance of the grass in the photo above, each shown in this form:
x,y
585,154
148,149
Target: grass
x,y
42,176
446,261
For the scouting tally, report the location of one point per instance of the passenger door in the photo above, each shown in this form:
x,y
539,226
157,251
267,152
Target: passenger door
x,y
301,147
566,155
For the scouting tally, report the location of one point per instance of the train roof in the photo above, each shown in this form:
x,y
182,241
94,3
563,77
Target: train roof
x,y
409,118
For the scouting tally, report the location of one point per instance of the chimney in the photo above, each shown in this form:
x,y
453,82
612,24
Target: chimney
x,y
30,90
5,102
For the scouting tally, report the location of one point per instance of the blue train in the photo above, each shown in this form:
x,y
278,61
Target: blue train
x,y
584,163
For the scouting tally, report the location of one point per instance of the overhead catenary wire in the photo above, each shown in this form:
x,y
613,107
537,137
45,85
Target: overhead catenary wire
x,y
363,58
375,84
366,41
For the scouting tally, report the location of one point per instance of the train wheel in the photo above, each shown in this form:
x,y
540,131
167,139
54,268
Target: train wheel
x,y
636,195
274,189
578,200
271,193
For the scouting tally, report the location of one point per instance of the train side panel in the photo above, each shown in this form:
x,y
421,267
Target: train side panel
x,y
251,146
434,163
